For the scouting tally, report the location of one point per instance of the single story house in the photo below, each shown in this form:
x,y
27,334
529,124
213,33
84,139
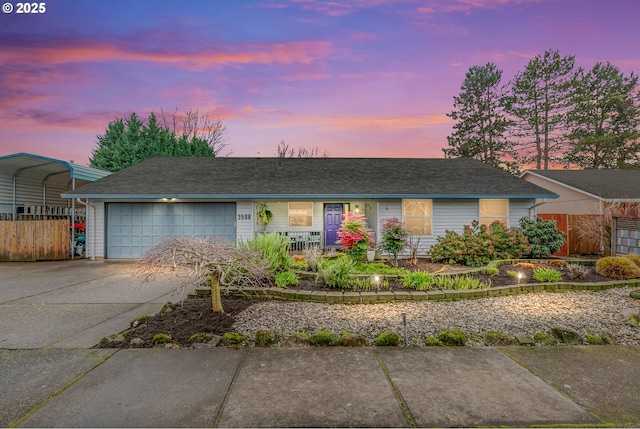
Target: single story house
x,y
133,209
587,197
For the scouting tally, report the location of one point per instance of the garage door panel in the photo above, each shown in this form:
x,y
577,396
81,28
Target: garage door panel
x,y
133,228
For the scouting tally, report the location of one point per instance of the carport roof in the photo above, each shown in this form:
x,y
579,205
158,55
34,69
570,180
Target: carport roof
x,y
45,166
296,178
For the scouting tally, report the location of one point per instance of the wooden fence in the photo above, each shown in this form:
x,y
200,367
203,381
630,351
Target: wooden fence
x,y
33,240
572,225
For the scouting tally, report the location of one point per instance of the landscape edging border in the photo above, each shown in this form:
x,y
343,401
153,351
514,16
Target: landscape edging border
x,y
371,297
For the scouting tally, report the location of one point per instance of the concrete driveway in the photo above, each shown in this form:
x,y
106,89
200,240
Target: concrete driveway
x,y
68,304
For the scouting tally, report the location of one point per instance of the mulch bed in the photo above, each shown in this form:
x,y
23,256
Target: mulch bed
x,y
195,315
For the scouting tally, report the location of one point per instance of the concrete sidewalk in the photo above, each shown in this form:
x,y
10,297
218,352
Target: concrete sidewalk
x,y
321,387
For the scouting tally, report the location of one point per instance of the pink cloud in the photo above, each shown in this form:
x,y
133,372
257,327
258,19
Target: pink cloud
x,y
253,53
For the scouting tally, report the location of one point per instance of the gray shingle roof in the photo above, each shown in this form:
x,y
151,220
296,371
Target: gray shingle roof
x,y
608,184
320,177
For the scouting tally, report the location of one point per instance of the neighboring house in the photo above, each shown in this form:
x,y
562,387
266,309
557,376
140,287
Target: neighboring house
x,y
30,188
133,209
588,198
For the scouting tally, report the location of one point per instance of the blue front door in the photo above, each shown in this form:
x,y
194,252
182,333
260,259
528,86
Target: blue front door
x,y
332,220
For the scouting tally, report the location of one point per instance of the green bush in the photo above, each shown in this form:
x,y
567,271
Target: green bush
x,y
161,339
453,337
337,273
388,339
543,235
479,244
285,279
234,338
394,238
273,247
324,338
419,280
431,341
547,275
512,274
617,267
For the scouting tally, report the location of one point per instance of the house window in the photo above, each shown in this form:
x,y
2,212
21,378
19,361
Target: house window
x,y
300,214
417,216
492,210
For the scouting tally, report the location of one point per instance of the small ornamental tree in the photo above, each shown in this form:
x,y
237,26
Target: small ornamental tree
x,y
543,235
209,260
355,236
394,238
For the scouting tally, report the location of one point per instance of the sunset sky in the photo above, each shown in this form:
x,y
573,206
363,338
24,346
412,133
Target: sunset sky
x,y
356,78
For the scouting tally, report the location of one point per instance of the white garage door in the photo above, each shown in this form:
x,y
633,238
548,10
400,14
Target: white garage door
x,y
133,228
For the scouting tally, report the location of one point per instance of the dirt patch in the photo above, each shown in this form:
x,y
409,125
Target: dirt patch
x,y
191,316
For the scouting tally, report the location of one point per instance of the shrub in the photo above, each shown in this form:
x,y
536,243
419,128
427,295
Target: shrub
x,y
595,340
507,243
543,235
617,267
431,341
633,258
547,275
234,338
512,274
265,338
419,280
286,278
453,337
394,238
336,272
312,255
355,236
479,244
576,271
161,339
388,338
324,338
273,247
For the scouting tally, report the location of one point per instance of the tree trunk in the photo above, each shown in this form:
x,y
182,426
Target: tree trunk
x,y
216,300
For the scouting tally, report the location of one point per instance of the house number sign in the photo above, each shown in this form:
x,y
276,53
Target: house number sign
x,y
244,216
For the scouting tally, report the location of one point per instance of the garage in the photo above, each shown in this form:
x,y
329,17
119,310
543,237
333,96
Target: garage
x,y
133,228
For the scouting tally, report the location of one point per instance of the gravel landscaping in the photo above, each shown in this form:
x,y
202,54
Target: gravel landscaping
x,y
585,312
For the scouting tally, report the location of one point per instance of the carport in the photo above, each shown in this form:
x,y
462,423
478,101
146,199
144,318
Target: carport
x,y
35,222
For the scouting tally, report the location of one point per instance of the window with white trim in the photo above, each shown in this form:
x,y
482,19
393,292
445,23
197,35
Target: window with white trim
x,y
492,210
301,214
418,216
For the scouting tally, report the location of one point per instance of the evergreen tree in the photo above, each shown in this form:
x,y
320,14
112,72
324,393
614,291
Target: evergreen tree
x,y
605,119
129,141
480,130
539,101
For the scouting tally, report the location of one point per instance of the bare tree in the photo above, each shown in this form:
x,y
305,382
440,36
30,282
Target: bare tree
x,y
197,260
285,151
195,126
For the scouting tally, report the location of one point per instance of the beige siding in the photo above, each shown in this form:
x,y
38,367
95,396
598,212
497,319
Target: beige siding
x,y
245,220
95,229
570,201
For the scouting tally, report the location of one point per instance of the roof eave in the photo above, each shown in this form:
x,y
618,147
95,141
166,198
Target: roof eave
x,y
302,196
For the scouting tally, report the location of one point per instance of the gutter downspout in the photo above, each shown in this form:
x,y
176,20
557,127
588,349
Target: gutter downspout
x,y
544,200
